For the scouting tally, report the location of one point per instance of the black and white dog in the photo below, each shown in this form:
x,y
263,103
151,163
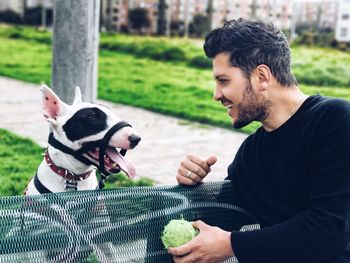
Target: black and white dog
x,y
85,136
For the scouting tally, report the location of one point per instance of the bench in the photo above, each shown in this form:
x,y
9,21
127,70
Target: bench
x,y
127,222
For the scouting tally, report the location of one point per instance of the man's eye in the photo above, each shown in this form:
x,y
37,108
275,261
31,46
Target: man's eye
x,y
222,81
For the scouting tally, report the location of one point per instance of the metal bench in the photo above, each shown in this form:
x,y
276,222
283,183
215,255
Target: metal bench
x,y
124,223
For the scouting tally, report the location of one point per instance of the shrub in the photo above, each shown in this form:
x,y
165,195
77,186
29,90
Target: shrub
x,y
151,51
307,38
10,16
342,46
200,62
118,46
174,54
15,35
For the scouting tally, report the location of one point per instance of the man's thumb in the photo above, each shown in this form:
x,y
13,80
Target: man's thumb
x,y
211,160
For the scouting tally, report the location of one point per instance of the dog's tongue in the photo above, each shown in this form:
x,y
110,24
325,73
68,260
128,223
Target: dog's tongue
x,y
125,165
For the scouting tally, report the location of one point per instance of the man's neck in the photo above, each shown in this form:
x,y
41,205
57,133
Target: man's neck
x,y
285,103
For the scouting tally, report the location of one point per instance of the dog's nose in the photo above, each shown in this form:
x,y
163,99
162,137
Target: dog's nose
x,y
134,140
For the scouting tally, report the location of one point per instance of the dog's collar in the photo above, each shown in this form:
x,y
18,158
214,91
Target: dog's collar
x,y
64,172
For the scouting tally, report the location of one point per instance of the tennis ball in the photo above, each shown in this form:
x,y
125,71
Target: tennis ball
x,y
178,232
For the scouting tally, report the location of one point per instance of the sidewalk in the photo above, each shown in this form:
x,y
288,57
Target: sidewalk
x,y
165,140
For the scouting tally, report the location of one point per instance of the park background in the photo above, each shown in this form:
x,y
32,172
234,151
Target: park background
x,y
156,60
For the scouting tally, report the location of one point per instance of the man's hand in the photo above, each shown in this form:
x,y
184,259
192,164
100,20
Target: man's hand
x,y
192,170
211,245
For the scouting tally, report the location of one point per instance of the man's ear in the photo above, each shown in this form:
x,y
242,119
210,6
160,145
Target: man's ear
x,y
52,106
264,76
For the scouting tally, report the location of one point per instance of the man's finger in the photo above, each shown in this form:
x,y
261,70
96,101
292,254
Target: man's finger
x,y
183,178
200,225
181,250
192,166
189,258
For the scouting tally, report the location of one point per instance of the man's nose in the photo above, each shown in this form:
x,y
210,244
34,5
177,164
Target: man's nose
x,y
217,94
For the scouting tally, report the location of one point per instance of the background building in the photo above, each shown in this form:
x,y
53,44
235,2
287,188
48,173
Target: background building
x,y
343,22
180,15
182,12
318,13
15,6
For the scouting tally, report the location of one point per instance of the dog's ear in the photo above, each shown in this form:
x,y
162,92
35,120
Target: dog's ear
x,y
77,97
52,105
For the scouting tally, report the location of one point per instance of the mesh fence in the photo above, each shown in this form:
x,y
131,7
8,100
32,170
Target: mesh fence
x,y
120,225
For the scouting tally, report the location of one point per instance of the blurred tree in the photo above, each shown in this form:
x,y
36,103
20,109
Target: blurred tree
x,y
109,19
210,11
200,25
187,18
138,19
10,16
175,28
253,6
162,18
33,16
24,3
168,18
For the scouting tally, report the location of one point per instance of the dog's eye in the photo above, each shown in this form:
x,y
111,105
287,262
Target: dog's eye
x,y
92,115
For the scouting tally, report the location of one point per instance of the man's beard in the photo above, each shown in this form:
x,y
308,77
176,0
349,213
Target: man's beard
x,y
252,108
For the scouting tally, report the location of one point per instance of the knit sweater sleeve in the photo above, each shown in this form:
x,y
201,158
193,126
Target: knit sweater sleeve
x,y
321,231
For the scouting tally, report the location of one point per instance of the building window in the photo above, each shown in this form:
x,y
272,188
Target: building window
x,y
343,32
345,16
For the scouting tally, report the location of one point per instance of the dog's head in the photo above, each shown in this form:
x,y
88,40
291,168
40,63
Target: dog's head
x,y
81,123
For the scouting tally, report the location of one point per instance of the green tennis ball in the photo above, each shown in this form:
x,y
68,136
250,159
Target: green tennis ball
x,y
177,233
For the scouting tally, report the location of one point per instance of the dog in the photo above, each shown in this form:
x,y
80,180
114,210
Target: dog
x,y
84,137
74,150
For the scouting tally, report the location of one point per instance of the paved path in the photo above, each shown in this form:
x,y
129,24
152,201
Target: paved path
x,y
165,140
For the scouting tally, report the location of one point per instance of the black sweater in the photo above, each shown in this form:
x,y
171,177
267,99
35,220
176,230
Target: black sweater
x,y
296,181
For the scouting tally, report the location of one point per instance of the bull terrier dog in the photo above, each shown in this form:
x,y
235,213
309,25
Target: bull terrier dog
x,y
84,137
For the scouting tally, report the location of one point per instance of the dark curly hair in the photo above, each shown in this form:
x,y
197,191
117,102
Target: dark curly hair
x,y
250,44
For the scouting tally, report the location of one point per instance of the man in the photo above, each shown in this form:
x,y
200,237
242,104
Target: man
x,y
293,173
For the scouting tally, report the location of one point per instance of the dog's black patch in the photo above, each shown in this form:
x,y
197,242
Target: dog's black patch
x,y
85,122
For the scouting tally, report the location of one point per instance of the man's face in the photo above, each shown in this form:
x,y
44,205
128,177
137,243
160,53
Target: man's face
x,y
235,91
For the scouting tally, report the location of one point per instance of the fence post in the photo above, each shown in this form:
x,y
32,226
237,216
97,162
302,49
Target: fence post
x,y
75,48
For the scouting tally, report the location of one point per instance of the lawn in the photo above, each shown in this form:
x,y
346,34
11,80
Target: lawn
x,y
170,87
19,159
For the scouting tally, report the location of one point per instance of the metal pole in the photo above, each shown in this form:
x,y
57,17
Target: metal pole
x,y
75,46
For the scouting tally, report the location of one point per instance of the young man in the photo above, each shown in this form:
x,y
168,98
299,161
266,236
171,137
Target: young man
x,y
293,173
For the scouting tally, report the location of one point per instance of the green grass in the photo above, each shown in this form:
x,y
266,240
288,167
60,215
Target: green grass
x,y
312,66
19,159
172,87
321,66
